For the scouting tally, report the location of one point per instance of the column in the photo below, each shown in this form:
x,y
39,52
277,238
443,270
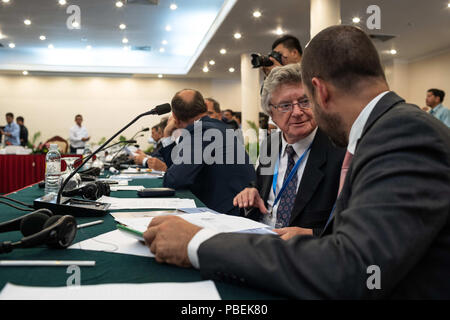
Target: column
x,y
324,13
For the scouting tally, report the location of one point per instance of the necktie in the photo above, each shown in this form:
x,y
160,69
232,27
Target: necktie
x,y
345,165
288,197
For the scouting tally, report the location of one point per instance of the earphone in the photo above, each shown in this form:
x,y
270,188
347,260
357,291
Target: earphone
x,y
91,191
38,228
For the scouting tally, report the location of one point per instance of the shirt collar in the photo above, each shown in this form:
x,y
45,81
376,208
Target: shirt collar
x,y
300,146
358,126
436,109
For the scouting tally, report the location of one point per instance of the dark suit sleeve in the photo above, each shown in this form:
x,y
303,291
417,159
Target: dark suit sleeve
x,y
400,185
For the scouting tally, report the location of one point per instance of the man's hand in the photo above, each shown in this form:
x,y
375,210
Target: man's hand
x,y
267,70
249,197
168,238
170,127
85,139
156,164
138,158
289,232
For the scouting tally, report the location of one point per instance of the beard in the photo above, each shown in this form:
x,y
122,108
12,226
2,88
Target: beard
x,y
332,124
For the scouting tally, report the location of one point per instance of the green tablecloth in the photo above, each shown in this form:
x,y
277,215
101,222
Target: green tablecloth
x,y
110,267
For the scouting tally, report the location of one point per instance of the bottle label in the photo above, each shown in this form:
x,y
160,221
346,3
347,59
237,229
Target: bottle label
x,y
52,167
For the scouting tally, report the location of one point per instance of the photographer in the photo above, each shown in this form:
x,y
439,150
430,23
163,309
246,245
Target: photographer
x,y
289,49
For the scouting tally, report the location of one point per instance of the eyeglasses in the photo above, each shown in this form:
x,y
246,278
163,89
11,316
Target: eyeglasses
x,y
288,107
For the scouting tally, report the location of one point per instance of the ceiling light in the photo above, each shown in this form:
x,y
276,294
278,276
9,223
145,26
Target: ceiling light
x,y
5,1
212,62
168,28
88,47
122,26
173,6
25,72
12,45
231,70
164,42
50,46
448,5
160,75
223,51
119,4
356,20
162,50
257,14
237,35
279,31
205,69
42,37
393,51
62,2
124,40
27,22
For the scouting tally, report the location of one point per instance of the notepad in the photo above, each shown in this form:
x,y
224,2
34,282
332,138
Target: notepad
x,y
147,203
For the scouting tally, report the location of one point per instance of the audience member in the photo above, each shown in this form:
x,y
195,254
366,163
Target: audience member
x,y
11,131
78,135
23,131
290,49
213,108
297,195
228,119
389,233
434,100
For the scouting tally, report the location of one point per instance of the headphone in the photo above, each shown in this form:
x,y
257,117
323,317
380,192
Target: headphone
x,y
40,227
91,191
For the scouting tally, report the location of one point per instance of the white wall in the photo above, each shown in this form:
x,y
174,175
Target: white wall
x,y
49,104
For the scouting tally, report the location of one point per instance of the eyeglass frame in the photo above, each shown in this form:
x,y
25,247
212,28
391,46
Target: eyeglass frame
x,y
290,105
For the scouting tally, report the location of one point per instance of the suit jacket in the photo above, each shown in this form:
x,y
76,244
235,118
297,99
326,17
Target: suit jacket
x,y
214,184
391,222
317,189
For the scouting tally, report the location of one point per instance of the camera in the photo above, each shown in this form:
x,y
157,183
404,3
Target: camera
x,y
259,60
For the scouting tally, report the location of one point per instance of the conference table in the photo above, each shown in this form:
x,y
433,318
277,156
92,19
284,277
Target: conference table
x,y
110,267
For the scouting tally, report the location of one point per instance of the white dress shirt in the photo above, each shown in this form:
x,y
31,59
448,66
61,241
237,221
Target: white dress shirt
x,y
75,136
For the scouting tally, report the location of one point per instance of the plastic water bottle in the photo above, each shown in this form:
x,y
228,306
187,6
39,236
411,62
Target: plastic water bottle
x,y
52,170
86,153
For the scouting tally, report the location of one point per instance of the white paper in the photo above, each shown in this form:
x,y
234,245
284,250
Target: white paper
x,y
114,242
209,220
126,188
142,214
137,176
201,290
147,203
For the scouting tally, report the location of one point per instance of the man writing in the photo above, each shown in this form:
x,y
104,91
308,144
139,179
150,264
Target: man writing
x,y
392,213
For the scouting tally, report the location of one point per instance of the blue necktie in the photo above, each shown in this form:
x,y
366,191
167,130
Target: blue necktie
x,y
288,197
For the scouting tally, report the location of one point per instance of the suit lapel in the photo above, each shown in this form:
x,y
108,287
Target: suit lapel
x,y
312,175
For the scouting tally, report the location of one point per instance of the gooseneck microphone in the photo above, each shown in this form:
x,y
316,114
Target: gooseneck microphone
x,y
158,110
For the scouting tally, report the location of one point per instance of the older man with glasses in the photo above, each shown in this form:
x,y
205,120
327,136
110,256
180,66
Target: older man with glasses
x,y
299,168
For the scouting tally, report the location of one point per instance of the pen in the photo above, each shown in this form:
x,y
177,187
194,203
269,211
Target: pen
x,y
89,224
46,263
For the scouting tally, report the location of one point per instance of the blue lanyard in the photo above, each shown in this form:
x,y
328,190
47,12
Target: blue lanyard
x,y
289,178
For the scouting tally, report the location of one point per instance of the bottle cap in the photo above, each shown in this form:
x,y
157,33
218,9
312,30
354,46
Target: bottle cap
x,y
53,146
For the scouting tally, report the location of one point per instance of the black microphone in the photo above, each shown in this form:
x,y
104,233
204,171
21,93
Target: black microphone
x,y
145,130
158,110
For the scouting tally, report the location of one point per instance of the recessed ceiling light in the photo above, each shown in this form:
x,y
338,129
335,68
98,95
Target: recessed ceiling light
x,y
223,51
356,20
162,49
393,51
42,37
168,28
62,2
119,4
173,6
160,75
25,72
5,1
279,31
164,42
88,47
205,69
212,62
257,14
50,46
231,70
27,22
122,26
12,45
237,35
124,40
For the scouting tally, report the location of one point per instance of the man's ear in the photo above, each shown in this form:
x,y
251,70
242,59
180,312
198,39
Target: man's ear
x,y
321,92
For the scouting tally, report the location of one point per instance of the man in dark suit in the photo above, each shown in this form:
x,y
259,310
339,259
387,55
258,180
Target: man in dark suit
x,y
302,207
389,234
198,161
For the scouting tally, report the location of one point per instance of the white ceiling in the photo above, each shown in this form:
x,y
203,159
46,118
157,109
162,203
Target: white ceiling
x,y
198,33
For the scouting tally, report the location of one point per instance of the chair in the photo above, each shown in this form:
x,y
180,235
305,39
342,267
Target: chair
x,y
63,145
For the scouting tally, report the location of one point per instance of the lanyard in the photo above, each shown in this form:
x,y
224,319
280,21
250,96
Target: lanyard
x,y
291,174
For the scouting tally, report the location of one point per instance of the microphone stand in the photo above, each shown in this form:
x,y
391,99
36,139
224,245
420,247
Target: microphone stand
x,y
99,208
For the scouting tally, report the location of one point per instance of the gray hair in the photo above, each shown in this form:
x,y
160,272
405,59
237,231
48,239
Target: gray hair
x,y
279,76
